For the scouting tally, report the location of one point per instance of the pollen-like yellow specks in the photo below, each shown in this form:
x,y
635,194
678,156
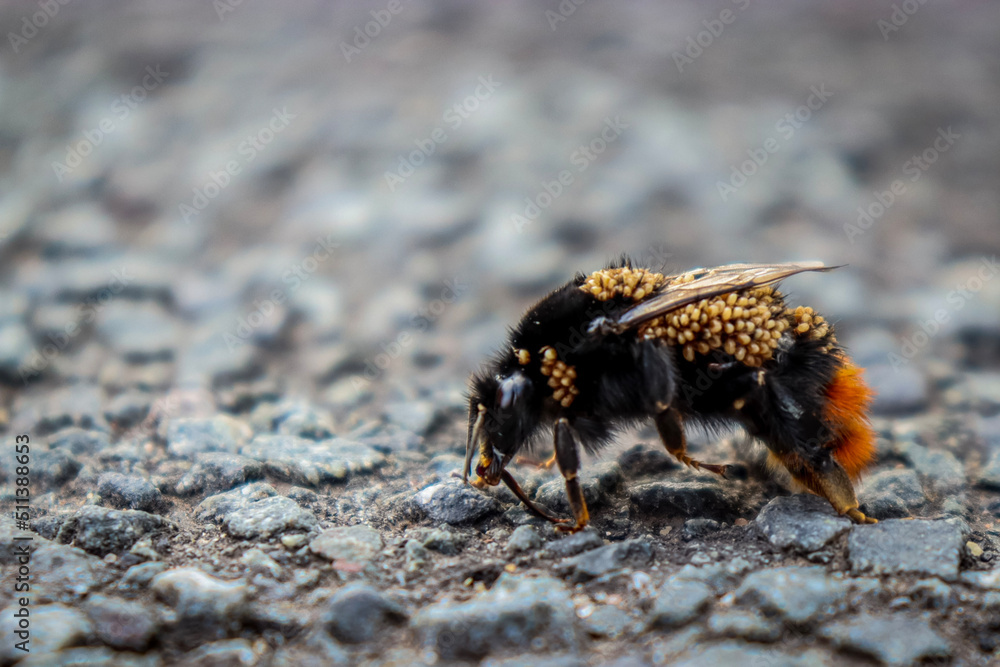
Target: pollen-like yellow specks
x,y
523,356
561,376
746,325
636,284
810,325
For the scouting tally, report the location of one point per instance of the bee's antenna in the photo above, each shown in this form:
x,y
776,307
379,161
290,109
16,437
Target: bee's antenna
x,y
470,445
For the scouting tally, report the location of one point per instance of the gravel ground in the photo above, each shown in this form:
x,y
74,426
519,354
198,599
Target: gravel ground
x,y
250,253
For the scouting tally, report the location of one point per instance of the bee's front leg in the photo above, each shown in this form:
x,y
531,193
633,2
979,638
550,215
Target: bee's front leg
x,y
568,458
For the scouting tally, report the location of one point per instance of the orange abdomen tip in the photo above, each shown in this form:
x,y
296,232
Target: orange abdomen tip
x,y
848,400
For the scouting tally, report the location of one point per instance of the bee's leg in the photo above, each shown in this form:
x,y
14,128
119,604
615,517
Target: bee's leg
x,y
568,458
671,430
830,482
531,461
512,484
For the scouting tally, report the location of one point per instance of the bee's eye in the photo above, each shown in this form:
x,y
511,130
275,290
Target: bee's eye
x,y
511,390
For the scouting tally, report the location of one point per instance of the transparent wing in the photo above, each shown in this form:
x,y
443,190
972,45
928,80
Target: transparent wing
x,y
709,283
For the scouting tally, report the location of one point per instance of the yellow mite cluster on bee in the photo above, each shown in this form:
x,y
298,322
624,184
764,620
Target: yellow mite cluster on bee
x,y
561,376
523,356
609,283
810,325
745,324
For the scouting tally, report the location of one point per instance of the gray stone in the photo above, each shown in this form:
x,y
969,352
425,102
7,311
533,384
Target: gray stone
x,y
216,508
66,574
213,472
532,660
187,437
524,538
893,640
597,481
800,595
455,503
302,420
744,624
316,649
53,628
268,517
979,390
989,474
889,547
722,577
17,353
101,531
607,621
437,539
801,523
695,528
574,544
353,544
78,441
687,499
897,390
642,460
679,602
311,463
128,409
121,624
256,561
888,492
92,657
228,652
596,562
945,474
359,613
740,653
417,555
52,468
141,576
924,547
70,404
525,611
129,492
416,416
139,332
205,608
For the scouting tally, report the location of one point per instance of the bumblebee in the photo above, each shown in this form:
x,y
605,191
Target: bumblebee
x,y
625,344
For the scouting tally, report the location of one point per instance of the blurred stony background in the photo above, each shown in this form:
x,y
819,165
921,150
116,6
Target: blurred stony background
x,y
251,251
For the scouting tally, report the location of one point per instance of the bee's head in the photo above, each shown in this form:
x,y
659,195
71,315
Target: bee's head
x,y
502,416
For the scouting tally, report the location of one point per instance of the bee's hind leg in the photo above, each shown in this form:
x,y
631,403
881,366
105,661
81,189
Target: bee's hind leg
x,y
831,483
671,430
